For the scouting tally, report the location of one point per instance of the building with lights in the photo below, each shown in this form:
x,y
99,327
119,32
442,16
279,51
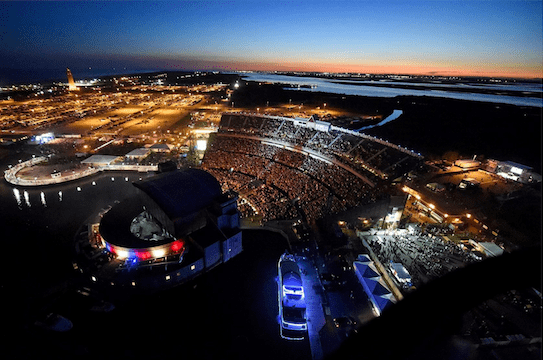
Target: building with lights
x,y
42,138
71,82
178,225
517,172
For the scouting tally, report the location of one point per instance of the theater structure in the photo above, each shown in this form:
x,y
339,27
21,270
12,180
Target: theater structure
x,y
178,225
301,169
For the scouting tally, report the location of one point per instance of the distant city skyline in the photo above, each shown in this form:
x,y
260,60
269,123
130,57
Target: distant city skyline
x,y
473,38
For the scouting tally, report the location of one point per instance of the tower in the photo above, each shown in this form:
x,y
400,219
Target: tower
x,y
71,83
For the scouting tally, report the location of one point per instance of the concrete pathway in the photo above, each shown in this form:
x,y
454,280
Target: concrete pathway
x,y
315,313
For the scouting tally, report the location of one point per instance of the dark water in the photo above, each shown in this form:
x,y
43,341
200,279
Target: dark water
x,y
355,88
230,312
37,235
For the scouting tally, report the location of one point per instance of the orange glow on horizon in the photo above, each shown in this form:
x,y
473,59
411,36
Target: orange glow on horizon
x,y
415,66
509,71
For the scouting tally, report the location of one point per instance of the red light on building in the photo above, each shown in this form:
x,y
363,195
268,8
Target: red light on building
x,y
177,245
111,249
143,255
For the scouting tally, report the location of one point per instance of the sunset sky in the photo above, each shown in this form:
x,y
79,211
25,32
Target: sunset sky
x,y
483,38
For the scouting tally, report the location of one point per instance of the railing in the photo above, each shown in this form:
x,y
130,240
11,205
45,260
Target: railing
x,y
334,128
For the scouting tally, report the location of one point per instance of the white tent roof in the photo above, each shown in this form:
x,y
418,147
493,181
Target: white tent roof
x,y
100,159
138,152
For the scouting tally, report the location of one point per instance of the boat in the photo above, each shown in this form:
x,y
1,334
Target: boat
x,y
292,307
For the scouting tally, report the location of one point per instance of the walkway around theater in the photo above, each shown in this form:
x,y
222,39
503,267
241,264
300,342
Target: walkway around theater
x,y
50,179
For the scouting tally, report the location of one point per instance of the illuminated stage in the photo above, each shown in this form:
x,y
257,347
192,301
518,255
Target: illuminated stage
x,y
178,225
128,231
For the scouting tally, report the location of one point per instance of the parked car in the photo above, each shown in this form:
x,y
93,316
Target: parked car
x,y
346,326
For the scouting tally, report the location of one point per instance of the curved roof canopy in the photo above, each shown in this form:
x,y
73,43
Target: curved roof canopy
x,y
181,193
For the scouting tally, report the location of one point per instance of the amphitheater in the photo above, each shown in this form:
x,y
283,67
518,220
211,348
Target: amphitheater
x,y
295,168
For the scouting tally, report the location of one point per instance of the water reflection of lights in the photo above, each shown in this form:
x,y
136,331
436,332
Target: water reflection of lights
x,y
17,197
60,196
42,198
27,198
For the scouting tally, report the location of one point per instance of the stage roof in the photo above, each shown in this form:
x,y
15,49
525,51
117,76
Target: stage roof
x,y
183,192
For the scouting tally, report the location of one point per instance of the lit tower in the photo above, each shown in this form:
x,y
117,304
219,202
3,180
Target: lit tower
x,y
71,82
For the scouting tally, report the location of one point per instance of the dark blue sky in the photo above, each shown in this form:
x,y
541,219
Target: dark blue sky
x,y
460,37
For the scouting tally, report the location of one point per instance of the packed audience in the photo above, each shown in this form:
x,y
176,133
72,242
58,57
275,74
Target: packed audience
x,y
285,182
280,183
368,155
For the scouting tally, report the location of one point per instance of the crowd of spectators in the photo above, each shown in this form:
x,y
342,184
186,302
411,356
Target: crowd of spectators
x,y
425,256
287,182
369,156
278,181
256,197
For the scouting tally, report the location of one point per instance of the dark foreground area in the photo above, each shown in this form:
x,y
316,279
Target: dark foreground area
x,y
230,312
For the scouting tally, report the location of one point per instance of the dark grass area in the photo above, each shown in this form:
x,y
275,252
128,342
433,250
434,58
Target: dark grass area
x,y
435,126
431,126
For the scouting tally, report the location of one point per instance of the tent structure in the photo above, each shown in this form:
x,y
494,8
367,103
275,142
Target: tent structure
x,y
377,290
100,160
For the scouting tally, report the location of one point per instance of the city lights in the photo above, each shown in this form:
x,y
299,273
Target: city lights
x,y
383,164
